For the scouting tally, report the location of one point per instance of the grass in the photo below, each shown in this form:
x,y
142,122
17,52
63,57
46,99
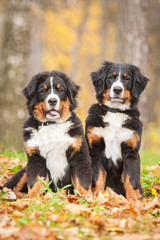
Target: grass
x,y
14,154
149,157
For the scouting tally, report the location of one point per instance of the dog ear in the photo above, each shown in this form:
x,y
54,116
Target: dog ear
x,y
139,82
98,77
72,93
30,90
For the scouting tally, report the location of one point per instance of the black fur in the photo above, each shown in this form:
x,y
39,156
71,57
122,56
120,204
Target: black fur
x,y
129,163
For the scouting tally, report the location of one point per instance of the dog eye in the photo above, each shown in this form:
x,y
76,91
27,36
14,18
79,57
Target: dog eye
x,y
60,89
43,91
111,78
126,78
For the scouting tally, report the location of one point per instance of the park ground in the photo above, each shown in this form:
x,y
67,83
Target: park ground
x,y
58,216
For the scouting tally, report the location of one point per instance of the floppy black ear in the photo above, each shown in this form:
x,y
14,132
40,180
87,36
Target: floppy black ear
x,y
72,93
139,82
30,90
98,78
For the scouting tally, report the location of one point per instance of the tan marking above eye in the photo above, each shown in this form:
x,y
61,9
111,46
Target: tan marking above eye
x,y
125,75
114,74
58,85
45,86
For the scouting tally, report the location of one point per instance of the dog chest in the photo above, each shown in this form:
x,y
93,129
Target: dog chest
x,y
53,141
114,134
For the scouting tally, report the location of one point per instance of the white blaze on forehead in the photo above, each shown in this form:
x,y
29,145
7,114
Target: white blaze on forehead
x,y
119,75
117,83
53,95
51,83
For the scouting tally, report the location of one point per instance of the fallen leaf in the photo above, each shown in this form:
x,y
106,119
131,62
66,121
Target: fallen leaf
x,y
10,194
114,229
151,205
77,208
7,232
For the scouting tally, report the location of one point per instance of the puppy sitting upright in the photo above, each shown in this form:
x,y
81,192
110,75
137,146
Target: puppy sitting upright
x,y
113,129
54,140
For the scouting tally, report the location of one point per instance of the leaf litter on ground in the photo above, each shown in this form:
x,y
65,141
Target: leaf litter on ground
x,y
61,216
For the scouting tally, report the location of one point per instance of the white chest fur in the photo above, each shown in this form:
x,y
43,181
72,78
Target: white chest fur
x,y
114,134
52,142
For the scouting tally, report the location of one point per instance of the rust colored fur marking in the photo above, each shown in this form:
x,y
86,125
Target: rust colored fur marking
x,y
127,95
100,184
39,111
133,141
66,109
125,75
21,183
77,185
106,95
19,194
45,86
32,192
131,193
77,145
92,138
31,150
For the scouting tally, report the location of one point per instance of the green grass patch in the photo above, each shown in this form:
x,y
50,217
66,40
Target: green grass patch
x,y
14,154
149,157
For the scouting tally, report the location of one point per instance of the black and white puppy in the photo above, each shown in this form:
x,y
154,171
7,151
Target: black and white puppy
x,y
53,136
113,129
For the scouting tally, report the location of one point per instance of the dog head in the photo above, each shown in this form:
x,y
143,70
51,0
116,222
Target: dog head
x,y
118,85
51,96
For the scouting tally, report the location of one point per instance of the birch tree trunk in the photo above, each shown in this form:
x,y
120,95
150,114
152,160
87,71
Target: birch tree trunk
x,y
14,54
133,44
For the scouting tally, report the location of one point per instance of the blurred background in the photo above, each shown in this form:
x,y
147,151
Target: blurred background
x,y
76,36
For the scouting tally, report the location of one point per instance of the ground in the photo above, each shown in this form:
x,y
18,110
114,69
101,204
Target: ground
x,y
58,216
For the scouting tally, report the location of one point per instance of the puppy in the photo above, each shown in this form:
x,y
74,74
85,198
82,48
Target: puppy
x,y
113,129
53,137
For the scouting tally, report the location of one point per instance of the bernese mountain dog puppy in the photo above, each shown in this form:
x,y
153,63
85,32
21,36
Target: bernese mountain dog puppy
x,y
113,129
54,140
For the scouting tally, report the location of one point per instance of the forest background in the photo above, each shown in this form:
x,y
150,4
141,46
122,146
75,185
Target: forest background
x,y
76,36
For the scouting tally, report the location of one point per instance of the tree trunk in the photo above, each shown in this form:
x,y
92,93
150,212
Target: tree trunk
x,y
133,45
14,54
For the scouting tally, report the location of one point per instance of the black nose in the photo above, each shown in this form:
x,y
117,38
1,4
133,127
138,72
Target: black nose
x,y
117,90
52,101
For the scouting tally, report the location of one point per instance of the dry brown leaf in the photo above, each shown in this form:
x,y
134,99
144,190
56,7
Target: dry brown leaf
x,y
157,186
151,205
133,237
114,229
72,231
136,207
10,194
7,232
77,208
117,199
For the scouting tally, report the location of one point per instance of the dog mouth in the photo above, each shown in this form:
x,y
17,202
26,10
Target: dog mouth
x,y
53,112
118,99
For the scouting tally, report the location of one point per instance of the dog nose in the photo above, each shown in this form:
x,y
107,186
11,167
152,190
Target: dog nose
x,y
52,101
117,90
